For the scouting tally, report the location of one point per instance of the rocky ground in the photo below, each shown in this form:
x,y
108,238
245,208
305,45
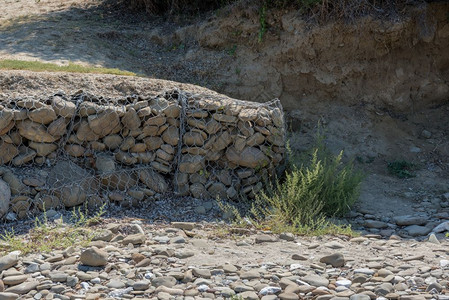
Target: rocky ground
x,y
182,260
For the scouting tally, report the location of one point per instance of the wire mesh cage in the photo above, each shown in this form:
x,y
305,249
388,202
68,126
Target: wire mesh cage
x,y
68,150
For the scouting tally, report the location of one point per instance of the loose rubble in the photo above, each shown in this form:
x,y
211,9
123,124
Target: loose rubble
x,y
186,260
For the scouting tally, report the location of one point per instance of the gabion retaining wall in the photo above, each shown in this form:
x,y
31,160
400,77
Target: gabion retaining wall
x,y
64,151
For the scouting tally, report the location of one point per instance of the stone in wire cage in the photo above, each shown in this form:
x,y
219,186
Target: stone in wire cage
x,y
68,150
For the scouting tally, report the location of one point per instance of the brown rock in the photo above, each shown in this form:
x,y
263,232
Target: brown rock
x,y
171,136
224,118
6,116
150,130
255,140
250,157
104,123
85,133
35,132
75,150
7,152
125,158
172,111
7,128
30,103
112,141
248,114
157,120
24,157
191,163
43,115
222,141
127,143
63,108
131,120
193,138
137,148
88,108
94,257
217,190
153,142
57,127
43,149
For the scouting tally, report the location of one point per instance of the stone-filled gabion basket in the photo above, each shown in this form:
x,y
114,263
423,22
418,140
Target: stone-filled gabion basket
x,y
67,150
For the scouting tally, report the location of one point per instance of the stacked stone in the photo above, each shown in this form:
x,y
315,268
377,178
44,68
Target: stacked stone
x,y
229,147
91,149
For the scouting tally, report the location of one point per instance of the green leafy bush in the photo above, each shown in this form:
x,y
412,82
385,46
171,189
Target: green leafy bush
x,y
322,187
316,185
402,168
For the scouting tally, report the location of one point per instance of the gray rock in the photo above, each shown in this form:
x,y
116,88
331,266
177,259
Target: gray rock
x,y
410,220
334,245
168,281
8,261
71,182
433,239
203,273
8,296
316,280
153,180
141,285
416,230
23,288
135,239
336,260
115,284
15,280
265,238
375,224
94,257
287,236
359,297
183,225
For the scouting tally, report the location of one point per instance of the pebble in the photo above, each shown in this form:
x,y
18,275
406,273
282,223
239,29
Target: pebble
x,y
364,268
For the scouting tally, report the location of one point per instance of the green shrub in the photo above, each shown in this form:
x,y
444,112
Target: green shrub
x,y
402,168
312,190
316,185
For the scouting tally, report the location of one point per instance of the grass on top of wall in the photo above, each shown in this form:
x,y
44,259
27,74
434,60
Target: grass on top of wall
x,y
12,64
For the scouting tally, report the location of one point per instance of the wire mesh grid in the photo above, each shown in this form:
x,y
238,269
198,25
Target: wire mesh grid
x,y
67,150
